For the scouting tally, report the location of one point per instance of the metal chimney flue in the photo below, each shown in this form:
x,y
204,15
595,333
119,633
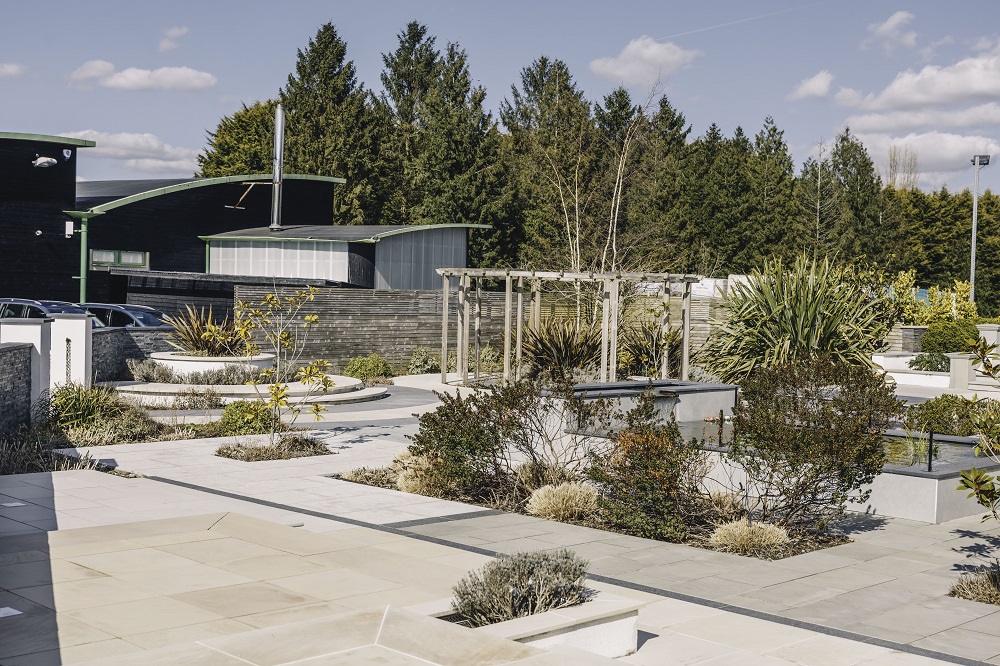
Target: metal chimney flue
x,y
278,167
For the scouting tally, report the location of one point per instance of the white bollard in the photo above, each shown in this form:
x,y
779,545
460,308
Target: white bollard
x,y
71,358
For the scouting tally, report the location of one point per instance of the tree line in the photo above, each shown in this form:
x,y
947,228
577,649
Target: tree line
x,y
578,184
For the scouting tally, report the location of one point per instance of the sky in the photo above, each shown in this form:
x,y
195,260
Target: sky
x,y
148,80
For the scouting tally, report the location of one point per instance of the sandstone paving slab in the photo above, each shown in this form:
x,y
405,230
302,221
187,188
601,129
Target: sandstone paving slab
x,y
142,616
828,651
962,642
793,593
246,598
105,649
895,567
711,588
847,579
866,550
987,624
676,648
192,632
685,570
85,593
763,574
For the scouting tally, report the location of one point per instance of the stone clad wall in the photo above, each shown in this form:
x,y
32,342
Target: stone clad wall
x,y
15,386
113,346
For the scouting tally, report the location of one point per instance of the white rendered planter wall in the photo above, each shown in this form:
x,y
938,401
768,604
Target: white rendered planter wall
x,y
183,363
607,625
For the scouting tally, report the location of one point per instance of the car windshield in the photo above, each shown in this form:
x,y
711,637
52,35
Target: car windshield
x,y
146,318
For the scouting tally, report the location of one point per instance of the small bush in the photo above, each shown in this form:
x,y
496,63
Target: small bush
x,y
763,540
558,348
422,362
415,474
27,451
149,370
378,381
246,417
567,501
946,414
234,374
197,399
982,585
520,585
930,362
648,481
289,446
131,424
641,350
946,337
534,474
366,367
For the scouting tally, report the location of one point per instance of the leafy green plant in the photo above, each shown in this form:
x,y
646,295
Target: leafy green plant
x,y
945,337
366,367
785,314
648,480
246,417
946,414
422,362
197,399
930,362
641,349
808,435
519,585
233,374
761,540
557,347
198,333
940,304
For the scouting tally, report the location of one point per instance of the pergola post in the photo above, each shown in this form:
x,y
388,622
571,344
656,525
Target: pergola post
x,y
613,332
686,332
444,329
665,331
478,321
536,303
605,295
467,280
520,326
508,284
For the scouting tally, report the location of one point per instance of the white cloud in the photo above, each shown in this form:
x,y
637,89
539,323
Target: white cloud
x,y
11,69
969,80
134,78
170,37
927,53
140,151
891,34
983,115
814,86
943,157
643,61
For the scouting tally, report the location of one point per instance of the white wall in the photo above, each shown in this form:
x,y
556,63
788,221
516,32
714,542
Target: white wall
x,y
297,259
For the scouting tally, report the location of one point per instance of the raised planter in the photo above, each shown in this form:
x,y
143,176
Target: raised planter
x,y
344,390
607,625
179,362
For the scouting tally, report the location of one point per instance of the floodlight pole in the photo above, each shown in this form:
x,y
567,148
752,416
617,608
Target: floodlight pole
x,y
978,161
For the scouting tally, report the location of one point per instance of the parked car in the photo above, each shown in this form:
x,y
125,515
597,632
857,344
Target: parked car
x,y
125,314
11,308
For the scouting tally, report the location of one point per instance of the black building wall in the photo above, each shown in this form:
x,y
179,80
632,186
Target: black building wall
x,y
33,199
168,226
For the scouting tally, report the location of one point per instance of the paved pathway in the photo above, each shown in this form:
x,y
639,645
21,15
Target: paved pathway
x,y
891,584
150,607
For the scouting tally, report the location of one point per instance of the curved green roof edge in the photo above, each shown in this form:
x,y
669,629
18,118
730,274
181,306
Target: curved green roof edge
x,y
48,138
203,182
374,238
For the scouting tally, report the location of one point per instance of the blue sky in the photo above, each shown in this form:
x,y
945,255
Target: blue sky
x,y
146,80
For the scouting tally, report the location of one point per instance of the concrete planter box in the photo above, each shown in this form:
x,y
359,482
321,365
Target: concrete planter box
x,y
607,625
989,331
921,378
179,362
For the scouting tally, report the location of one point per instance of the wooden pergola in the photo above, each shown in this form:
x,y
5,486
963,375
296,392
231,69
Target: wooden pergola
x,y
470,294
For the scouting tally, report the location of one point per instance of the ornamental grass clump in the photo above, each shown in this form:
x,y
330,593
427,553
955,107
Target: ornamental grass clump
x,y
566,501
520,585
557,348
761,540
982,585
286,448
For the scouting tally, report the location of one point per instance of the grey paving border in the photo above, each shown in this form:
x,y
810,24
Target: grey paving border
x,y
446,519
393,528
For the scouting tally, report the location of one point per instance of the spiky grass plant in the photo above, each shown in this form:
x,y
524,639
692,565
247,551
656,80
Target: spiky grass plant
x,y
982,585
566,501
754,539
197,333
785,313
559,347
519,585
641,349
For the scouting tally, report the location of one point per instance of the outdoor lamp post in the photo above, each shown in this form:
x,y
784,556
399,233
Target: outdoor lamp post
x,y
979,161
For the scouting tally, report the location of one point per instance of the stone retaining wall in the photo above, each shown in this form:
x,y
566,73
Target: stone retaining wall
x,y
114,346
15,386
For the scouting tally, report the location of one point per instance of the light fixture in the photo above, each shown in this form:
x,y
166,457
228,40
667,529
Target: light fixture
x,y
43,162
